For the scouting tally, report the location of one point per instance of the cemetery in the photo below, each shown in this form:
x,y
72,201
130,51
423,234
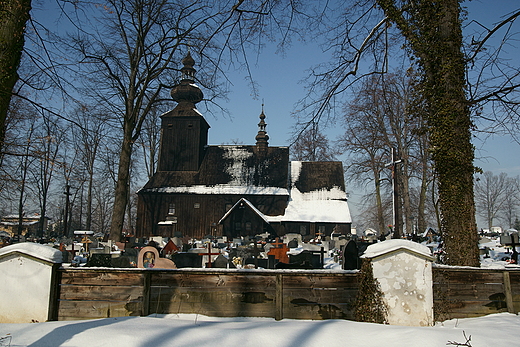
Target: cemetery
x,y
260,277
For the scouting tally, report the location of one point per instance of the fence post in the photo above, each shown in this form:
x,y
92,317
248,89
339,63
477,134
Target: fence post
x,y
146,292
279,297
508,293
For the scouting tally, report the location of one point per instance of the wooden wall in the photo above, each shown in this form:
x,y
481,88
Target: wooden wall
x,y
473,292
100,293
86,293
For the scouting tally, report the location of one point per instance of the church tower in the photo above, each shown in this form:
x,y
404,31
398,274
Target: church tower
x,y
184,131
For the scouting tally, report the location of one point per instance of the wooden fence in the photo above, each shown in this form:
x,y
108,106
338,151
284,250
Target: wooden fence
x,y
99,293
85,293
473,292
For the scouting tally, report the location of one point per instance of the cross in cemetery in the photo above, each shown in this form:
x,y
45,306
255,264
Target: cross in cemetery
x,y
395,193
209,254
279,250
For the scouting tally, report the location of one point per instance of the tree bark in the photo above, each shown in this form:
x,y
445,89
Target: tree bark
x,y
13,17
433,30
121,191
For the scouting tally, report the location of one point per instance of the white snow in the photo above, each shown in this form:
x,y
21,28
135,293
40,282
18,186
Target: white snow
x,y
223,189
387,246
196,330
35,250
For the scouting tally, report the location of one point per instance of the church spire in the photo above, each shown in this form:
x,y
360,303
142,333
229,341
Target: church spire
x,y
262,138
186,92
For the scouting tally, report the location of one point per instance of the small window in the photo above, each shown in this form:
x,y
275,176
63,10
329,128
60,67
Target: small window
x,y
238,226
303,230
171,209
321,230
248,226
228,207
196,205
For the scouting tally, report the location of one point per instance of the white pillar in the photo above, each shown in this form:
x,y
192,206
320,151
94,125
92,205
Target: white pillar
x,y
404,271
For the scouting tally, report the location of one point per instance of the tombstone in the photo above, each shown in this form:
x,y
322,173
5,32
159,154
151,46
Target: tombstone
x,y
293,240
279,250
170,248
99,260
148,258
124,261
220,262
350,260
293,243
187,260
306,259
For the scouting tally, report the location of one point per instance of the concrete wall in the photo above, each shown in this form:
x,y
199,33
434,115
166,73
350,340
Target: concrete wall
x,y
27,273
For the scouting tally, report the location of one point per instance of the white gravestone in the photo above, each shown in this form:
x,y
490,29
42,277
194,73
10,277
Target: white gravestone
x,y
27,271
404,271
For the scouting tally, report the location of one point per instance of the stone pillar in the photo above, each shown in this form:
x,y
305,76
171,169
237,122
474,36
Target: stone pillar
x,y
404,271
28,273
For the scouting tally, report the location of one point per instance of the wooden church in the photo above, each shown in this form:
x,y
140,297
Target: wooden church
x,y
234,190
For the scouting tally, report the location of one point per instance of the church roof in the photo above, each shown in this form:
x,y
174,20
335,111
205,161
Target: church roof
x,y
229,170
317,194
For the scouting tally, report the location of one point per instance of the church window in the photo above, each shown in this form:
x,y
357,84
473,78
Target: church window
x,y
196,205
238,226
248,226
171,209
321,230
303,230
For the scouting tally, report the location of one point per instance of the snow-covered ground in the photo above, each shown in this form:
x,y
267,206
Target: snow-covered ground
x,y
195,330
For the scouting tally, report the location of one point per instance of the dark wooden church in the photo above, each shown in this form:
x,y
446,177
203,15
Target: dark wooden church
x,y
235,190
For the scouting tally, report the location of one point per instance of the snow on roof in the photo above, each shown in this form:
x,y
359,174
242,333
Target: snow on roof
x,y
223,189
35,250
240,172
296,168
378,249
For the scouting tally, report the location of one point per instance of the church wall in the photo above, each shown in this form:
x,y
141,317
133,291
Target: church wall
x,y
196,215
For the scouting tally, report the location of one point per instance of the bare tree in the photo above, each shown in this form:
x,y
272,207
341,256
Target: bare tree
x,y
491,195
312,145
130,57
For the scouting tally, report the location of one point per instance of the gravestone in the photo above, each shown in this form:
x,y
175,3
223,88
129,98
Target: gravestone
x,y
99,260
220,262
279,251
306,259
187,260
148,258
350,258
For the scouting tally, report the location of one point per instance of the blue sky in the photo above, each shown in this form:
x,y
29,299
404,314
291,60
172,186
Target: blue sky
x,y
279,83
280,89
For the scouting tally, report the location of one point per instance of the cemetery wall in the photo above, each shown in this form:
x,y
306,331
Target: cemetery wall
x,y
86,293
474,292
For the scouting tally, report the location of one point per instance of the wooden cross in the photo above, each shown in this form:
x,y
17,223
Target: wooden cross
x,y
209,254
395,193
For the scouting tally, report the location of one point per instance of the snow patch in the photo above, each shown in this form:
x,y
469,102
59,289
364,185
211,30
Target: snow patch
x,y
35,250
388,246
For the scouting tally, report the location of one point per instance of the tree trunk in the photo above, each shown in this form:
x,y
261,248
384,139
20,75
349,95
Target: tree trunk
x,y
433,30
13,16
121,192
450,136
